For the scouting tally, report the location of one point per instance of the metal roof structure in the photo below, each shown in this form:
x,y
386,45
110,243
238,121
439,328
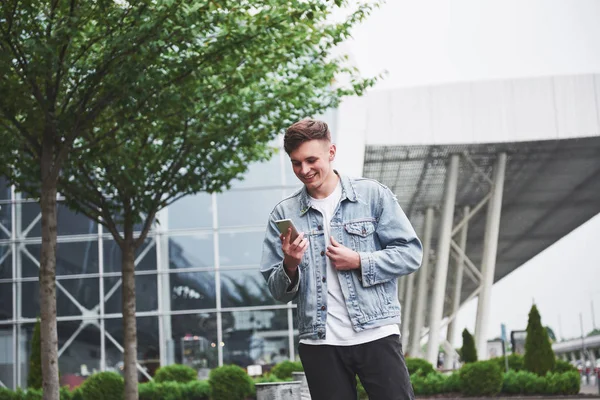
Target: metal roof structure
x,y
551,187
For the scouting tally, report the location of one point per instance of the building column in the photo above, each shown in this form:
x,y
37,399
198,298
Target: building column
x,y
406,309
443,256
460,267
422,275
165,334
488,260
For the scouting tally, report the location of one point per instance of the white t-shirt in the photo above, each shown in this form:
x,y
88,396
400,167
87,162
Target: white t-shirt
x,y
339,331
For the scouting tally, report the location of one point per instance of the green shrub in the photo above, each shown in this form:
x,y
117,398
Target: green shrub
x,y
175,373
284,369
424,385
33,394
481,378
34,377
564,366
565,383
196,390
539,357
230,382
160,391
468,352
77,394
7,394
515,362
523,382
452,383
362,393
103,386
418,366
65,393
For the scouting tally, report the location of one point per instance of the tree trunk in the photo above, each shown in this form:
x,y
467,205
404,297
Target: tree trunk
x,y
49,335
129,322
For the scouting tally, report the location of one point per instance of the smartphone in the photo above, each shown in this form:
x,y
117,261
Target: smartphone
x,y
284,224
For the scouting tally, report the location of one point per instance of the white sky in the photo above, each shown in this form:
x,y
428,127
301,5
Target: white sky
x,y
423,42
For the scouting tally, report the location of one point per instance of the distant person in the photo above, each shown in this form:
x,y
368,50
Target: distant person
x,y
354,242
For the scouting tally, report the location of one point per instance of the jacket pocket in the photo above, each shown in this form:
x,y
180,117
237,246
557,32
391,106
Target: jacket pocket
x,y
360,234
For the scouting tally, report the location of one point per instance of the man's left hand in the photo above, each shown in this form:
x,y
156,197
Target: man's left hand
x,y
342,258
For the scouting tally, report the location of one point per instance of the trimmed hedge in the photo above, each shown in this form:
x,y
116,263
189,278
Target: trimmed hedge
x,y
230,382
284,369
103,386
419,366
481,378
175,373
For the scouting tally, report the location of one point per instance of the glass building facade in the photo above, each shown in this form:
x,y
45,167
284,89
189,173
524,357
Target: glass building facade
x,y
201,299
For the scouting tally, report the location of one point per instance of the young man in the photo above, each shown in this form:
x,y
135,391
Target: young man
x,y
342,269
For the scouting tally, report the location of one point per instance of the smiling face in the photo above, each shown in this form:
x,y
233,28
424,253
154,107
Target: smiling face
x,y
312,164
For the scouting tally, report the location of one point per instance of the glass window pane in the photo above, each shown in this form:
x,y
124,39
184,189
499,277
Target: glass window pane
x,y
72,258
112,256
266,173
148,349
247,207
30,219
190,212
6,356
246,341
71,223
192,290
243,248
73,294
146,298
191,251
5,262
194,340
6,301
244,288
81,357
4,189
5,221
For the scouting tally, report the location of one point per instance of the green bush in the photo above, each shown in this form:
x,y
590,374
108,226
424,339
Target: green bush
x,y
362,393
230,382
103,386
77,394
468,352
65,393
418,366
452,383
523,382
515,362
539,357
284,369
161,391
565,383
481,378
7,394
564,366
424,385
34,377
196,390
175,373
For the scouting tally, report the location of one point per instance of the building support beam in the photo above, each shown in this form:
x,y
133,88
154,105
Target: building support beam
x,y
458,280
407,309
443,257
422,274
488,262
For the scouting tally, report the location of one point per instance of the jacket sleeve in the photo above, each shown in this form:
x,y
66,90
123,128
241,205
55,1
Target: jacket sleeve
x,y
401,250
271,266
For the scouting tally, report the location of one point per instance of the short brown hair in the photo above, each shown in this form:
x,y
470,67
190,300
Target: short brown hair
x,y
303,131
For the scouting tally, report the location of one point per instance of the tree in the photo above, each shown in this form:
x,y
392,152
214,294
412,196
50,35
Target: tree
x,y
211,104
34,377
539,357
468,351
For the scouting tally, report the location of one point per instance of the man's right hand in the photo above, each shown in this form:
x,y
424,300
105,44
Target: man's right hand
x,y
293,252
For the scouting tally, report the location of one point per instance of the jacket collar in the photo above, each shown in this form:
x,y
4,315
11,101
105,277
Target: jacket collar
x,y
348,192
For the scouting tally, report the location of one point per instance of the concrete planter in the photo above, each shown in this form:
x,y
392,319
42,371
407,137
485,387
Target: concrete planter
x,y
304,392
278,391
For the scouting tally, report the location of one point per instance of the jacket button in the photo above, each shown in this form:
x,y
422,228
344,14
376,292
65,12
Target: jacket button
x,y
324,279
322,253
323,308
321,335
319,227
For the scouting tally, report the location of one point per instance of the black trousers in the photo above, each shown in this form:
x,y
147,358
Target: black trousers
x,y
331,370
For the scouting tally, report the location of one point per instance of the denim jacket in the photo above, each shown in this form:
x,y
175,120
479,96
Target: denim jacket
x,y
368,220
